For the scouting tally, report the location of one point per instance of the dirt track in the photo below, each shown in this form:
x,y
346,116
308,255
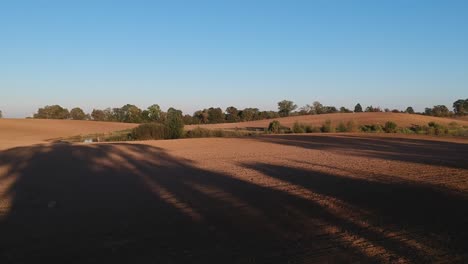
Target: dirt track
x,y
274,199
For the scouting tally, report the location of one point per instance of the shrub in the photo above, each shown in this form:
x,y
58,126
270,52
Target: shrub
x,y
311,129
150,131
405,130
437,129
274,127
299,128
198,132
371,128
327,127
390,127
341,127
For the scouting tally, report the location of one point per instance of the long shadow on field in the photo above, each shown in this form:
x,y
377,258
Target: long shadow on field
x,y
422,151
130,203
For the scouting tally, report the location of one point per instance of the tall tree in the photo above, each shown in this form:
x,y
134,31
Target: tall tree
x,y
77,114
215,115
154,113
175,123
409,110
317,108
460,107
285,107
358,108
232,114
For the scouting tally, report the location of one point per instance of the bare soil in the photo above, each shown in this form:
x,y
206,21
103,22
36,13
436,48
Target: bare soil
x,y
327,198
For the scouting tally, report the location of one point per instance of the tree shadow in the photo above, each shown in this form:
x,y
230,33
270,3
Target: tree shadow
x,y
423,151
67,203
433,218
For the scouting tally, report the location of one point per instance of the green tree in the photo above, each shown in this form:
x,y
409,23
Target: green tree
x,y
154,113
409,110
440,110
460,107
52,112
344,110
215,115
77,114
317,108
1,114
232,114
358,108
285,107
98,115
201,116
174,123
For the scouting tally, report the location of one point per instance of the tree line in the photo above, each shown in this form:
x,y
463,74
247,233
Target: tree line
x,y
132,114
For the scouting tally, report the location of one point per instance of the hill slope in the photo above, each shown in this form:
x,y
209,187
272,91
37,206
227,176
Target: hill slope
x,y
15,132
402,120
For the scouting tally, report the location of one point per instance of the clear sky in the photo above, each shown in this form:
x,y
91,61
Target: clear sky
x,y
197,54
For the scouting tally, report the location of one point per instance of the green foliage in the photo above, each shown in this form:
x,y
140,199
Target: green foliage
x,y
409,110
232,115
327,127
1,114
299,128
215,115
373,109
150,131
438,110
274,127
460,107
390,127
345,110
358,108
174,123
285,107
372,128
77,114
98,115
198,132
52,112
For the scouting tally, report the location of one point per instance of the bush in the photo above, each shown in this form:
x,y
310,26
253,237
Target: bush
x,y
274,127
390,127
327,127
198,132
299,128
437,129
341,127
150,131
371,128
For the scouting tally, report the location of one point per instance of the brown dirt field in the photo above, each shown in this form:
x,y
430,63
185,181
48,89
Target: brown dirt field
x,y
327,198
402,120
30,131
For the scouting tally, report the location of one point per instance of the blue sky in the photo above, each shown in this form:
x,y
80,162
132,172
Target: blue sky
x,y
197,54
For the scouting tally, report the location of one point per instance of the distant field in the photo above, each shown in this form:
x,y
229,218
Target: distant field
x,y
30,131
403,120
